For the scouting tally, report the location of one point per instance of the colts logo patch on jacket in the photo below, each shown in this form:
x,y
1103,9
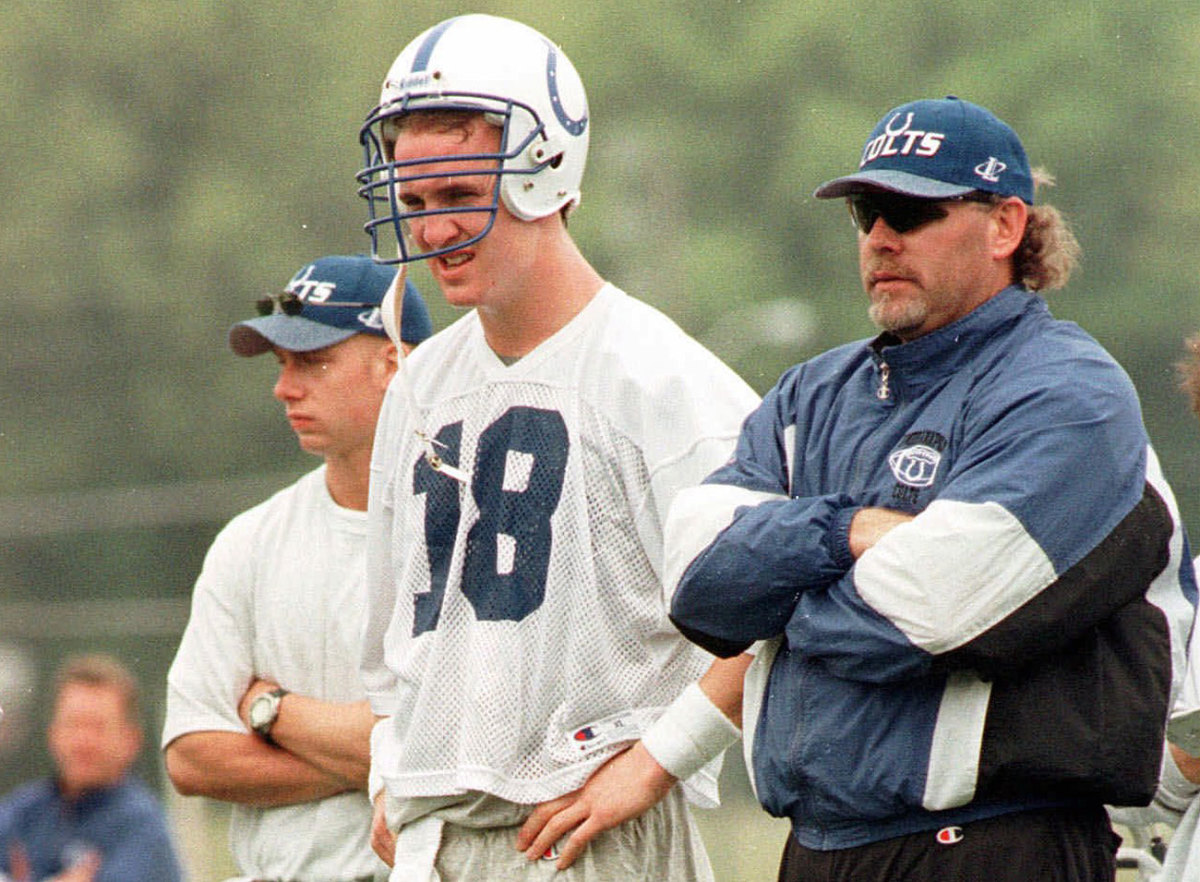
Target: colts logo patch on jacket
x,y
915,464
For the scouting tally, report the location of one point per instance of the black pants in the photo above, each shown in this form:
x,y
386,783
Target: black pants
x,y
1053,845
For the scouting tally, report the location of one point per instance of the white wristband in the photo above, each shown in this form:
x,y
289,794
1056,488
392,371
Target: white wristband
x,y
1174,790
691,732
374,778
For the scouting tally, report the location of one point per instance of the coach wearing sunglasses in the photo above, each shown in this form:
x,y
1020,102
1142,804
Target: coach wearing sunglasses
x,y
953,541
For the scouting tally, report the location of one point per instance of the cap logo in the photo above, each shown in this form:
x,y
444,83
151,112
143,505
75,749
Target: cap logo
x,y
371,318
310,290
901,139
991,170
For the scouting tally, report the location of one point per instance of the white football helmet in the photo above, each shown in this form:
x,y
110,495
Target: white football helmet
x,y
521,82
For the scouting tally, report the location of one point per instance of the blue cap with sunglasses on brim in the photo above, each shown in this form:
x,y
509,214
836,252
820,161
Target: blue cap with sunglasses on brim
x,y
326,302
938,149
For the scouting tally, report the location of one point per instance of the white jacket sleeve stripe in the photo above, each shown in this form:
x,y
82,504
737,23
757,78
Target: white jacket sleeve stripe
x,y
953,572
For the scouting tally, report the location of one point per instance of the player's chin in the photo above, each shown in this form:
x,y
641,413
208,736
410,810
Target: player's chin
x,y
464,294
312,443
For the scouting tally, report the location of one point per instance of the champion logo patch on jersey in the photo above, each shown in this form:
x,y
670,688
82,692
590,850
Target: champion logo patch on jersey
x,y
620,728
950,835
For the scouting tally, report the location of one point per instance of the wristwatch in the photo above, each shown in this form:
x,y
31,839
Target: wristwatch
x,y
264,710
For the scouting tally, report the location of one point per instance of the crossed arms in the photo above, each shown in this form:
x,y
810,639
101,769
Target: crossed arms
x,y
321,748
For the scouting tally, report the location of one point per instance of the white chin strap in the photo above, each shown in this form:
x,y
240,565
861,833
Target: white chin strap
x,y
389,309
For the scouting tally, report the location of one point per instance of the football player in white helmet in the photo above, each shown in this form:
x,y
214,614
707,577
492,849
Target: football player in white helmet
x,y
531,689
526,88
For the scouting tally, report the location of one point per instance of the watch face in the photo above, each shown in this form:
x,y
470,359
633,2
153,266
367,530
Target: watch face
x,y
261,710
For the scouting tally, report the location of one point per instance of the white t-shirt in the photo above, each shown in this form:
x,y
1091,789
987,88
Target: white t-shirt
x,y
517,633
280,597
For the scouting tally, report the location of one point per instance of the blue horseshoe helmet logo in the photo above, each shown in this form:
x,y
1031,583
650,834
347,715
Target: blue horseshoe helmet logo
x,y
573,126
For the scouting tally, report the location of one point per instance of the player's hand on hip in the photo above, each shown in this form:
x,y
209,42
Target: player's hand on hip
x,y
383,840
625,787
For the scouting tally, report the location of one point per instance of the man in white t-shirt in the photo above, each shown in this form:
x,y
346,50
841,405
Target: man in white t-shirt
x,y
265,708
539,705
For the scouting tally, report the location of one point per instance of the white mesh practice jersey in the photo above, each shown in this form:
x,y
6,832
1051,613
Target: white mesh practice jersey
x,y
517,632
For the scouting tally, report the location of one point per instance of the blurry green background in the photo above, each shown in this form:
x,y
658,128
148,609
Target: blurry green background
x,y
164,163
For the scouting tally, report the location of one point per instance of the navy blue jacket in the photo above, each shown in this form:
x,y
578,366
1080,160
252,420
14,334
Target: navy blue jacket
x,y
1016,644
124,823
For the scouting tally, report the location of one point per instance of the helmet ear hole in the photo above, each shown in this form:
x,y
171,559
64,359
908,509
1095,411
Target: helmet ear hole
x,y
549,152
542,156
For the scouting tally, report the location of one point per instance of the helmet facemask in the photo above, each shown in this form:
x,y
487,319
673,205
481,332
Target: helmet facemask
x,y
381,180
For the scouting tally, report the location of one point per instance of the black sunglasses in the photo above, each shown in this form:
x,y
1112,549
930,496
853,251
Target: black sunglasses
x,y
289,304
903,213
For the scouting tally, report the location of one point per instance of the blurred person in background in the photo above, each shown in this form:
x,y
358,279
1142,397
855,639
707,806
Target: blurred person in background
x,y
93,821
1175,802
265,708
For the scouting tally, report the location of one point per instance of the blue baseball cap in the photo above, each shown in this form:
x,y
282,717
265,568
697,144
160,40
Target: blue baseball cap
x,y
326,302
938,149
